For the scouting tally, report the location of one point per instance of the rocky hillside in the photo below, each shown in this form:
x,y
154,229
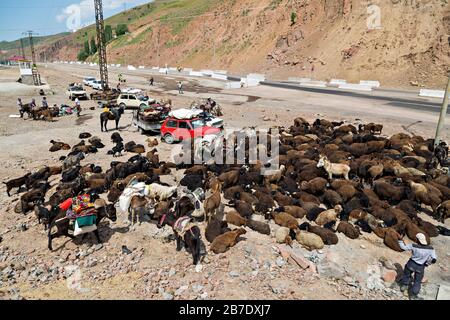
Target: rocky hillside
x,y
320,39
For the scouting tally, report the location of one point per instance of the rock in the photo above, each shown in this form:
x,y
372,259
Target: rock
x,y
98,246
197,287
172,272
125,250
233,274
331,270
180,290
204,295
414,83
167,296
280,262
281,234
266,118
350,281
362,246
198,268
389,276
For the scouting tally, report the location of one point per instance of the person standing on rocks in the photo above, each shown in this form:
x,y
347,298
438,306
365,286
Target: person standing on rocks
x,y
422,256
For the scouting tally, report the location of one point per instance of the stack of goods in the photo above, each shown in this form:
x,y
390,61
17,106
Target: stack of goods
x,y
64,110
82,214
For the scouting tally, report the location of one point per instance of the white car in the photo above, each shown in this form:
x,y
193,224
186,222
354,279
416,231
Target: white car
x,y
76,91
133,101
88,81
97,84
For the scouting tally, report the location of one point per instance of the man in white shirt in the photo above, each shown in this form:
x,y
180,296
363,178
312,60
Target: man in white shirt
x,y
422,256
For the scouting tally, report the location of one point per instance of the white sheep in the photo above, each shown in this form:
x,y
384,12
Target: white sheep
x,y
160,192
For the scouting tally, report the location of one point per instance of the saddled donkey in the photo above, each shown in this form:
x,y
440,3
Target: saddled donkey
x,y
62,223
113,114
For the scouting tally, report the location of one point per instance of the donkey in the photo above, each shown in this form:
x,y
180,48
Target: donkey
x,y
61,222
183,228
333,168
113,114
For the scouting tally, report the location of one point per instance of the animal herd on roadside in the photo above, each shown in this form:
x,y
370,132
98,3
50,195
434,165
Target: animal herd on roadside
x,y
332,178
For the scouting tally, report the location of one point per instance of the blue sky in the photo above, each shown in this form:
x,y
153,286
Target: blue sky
x,y
48,17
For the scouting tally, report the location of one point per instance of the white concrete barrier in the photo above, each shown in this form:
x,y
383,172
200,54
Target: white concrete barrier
x,y
373,84
337,81
432,93
233,85
207,72
141,67
313,83
296,79
219,76
196,74
130,67
256,76
163,70
355,86
221,71
118,65
188,69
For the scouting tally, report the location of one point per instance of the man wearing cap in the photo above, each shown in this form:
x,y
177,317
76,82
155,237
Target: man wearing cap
x,y
422,256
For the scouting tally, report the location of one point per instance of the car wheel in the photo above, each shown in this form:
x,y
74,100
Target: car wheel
x,y
122,105
168,138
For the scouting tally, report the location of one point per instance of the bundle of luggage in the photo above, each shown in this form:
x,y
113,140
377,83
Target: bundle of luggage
x,y
82,214
65,110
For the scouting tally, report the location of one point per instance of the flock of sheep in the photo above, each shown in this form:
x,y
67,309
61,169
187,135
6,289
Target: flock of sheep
x,y
333,177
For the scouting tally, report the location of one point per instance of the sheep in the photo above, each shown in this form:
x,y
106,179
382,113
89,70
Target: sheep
x,y
192,181
429,228
134,148
56,146
328,215
235,218
282,235
153,156
389,192
229,178
421,194
245,209
84,135
72,161
332,198
70,174
295,211
333,168
96,142
309,240
16,183
285,220
348,229
328,237
275,176
443,211
160,192
115,137
114,194
151,142
258,226
245,196
283,199
314,186
229,239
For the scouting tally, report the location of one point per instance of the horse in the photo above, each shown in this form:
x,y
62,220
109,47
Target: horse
x,y
61,222
113,114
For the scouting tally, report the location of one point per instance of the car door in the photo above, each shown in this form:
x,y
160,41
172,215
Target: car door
x,y
133,101
184,131
170,126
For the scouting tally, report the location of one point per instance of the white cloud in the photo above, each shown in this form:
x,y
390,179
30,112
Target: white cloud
x,y
77,14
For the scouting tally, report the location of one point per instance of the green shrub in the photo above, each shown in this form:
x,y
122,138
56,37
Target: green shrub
x,y
121,29
82,55
293,18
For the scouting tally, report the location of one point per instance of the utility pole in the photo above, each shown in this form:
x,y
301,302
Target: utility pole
x,y
35,73
101,44
22,48
443,114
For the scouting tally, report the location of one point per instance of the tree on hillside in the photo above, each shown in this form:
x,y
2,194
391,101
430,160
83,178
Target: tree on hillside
x,y
293,18
108,33
121,29
93,46
82,55
86,46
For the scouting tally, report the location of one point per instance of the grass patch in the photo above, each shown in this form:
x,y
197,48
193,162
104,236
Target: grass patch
x,y
172,43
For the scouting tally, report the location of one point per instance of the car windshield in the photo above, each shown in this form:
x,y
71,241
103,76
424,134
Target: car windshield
x,y
197,123
76,88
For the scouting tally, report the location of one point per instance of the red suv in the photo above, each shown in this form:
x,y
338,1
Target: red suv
x,y
174,129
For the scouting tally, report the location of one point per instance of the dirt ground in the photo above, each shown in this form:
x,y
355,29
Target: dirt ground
x,y
352,269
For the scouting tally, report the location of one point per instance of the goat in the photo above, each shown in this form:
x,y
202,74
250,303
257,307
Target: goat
x,y
16,183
